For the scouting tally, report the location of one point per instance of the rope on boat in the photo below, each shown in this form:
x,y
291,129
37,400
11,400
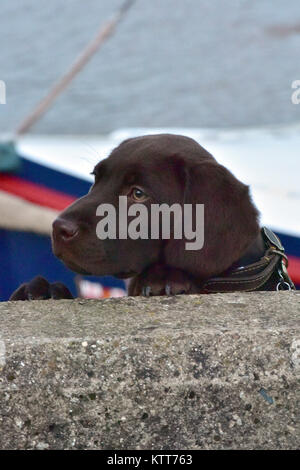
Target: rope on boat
x,y
104,33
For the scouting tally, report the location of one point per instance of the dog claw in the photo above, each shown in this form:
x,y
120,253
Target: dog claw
x,y
146,291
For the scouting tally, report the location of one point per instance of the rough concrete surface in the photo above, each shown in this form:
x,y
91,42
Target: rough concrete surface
x,y
215,371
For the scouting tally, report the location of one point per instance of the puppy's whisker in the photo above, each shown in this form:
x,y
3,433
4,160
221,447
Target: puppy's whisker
x,y
94,150
87,159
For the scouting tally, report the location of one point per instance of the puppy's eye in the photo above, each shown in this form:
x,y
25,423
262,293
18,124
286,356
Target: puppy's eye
x,y
138,195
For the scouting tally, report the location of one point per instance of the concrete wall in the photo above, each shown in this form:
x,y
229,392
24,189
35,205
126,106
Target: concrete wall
x,y
188,372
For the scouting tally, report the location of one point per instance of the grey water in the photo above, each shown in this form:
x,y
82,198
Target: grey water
x,y
178,63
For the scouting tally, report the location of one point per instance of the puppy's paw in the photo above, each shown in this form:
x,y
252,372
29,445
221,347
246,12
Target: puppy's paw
x,y
40,289
161,280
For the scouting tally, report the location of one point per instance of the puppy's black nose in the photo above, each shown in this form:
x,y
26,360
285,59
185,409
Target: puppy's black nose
x,y
64,229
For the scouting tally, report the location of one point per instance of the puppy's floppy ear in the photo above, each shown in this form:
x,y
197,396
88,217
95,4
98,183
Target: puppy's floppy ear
x,y
230,220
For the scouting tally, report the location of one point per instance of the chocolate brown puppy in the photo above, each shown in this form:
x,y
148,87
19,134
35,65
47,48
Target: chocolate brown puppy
x,y
157,169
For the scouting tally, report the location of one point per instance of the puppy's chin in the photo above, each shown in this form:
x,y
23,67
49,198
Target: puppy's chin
x,y
77,269
125,275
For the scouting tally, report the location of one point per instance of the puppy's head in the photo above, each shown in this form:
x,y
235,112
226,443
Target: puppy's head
x,y
151,170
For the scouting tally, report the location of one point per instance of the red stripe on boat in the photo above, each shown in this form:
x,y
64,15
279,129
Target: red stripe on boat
x,y
36,193
294,268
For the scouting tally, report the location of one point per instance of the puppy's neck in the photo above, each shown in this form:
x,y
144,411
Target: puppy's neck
x,y
254,252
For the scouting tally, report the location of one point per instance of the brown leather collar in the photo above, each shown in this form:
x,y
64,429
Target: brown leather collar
x,y
268,273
